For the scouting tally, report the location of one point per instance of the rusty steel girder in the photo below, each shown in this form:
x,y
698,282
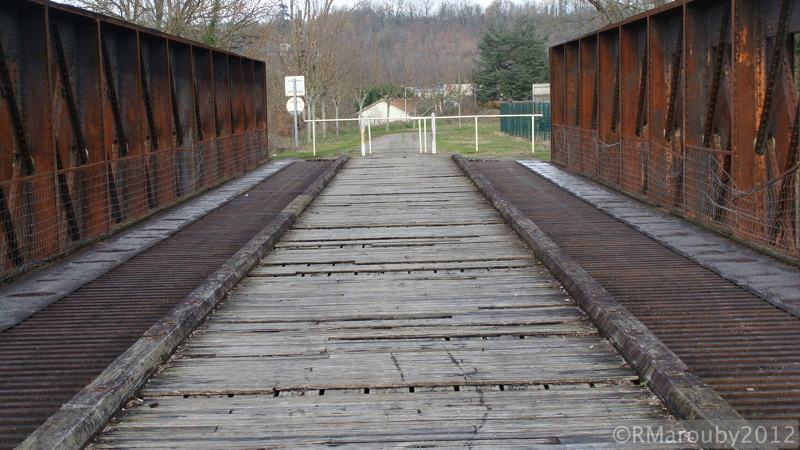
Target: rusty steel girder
x,y
102,121
692,106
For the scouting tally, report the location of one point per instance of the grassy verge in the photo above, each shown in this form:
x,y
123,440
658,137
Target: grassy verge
x,y
450,138
491,142
348,140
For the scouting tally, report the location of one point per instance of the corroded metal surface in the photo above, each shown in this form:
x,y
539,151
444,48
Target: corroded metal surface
x,y
742,346
692,106
35,291
102,122
55,353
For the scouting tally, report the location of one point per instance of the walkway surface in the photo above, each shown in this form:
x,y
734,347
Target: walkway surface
x,y
776,282
37,290
399,311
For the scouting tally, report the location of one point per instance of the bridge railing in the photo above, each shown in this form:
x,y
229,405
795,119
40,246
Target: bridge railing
x,y
103,122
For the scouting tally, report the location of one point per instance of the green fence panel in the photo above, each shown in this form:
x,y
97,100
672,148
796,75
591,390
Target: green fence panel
x,y
521,126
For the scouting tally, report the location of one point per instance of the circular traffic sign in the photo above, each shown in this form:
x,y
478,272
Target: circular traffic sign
x,y
301,105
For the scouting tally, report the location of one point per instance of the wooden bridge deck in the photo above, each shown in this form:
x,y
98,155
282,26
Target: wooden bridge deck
x,y
399,311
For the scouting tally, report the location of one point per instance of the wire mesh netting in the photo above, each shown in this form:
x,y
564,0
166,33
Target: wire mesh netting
x,y
45,215
695,183
521,126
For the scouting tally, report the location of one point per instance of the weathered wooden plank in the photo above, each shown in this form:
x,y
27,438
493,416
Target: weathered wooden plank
x,y
252,344
502,263
510,278
237,314
343,371
345,311
561,416
389,233
445,252
334,244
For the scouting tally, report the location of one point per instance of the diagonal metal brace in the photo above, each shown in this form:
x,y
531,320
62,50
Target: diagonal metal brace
x,y
7,90
669,130
197,116
772,75
615,111
148,103
719,58
114,99
151,125
595,98
66,87
176,117
640,113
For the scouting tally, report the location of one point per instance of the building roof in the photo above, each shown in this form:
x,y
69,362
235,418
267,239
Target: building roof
x,y
399,103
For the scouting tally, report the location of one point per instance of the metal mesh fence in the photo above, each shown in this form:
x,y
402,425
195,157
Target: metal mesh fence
x,y
695,184
45,215
521,126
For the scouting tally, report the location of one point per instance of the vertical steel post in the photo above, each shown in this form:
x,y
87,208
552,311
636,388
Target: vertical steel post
x,y
294,91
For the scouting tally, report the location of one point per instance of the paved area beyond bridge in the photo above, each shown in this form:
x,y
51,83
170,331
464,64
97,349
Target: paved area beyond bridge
x,y
400,310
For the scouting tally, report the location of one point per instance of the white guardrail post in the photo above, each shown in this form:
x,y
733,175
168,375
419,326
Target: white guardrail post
x,y
425,134
369,135
419,129
433,133
361,130
314,138
476,134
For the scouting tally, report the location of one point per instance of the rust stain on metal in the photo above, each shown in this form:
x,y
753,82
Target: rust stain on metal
x,y
728,155
111,134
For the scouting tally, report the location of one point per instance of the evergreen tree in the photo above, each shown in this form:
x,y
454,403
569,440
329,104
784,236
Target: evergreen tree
x,y
510,61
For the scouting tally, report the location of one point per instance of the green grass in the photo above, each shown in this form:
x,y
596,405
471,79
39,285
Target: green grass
x,y
491,142
449,139
348,140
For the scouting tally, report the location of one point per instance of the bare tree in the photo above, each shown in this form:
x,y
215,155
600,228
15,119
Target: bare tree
x,y
457,92
224,23
365,74
393,92
315,40
360,85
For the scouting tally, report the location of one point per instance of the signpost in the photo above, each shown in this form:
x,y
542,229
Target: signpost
x,y
295,87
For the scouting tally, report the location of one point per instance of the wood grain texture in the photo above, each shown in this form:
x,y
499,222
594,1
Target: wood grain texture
x,y
400,310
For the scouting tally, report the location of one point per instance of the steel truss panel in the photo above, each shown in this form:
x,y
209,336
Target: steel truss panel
x,y
694,107
102,122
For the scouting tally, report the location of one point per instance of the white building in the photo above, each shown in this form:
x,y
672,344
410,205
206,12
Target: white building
x,y
399,109
541,92
463,89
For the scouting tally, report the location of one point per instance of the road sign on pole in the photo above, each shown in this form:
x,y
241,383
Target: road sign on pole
x,y
295,85
295,104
